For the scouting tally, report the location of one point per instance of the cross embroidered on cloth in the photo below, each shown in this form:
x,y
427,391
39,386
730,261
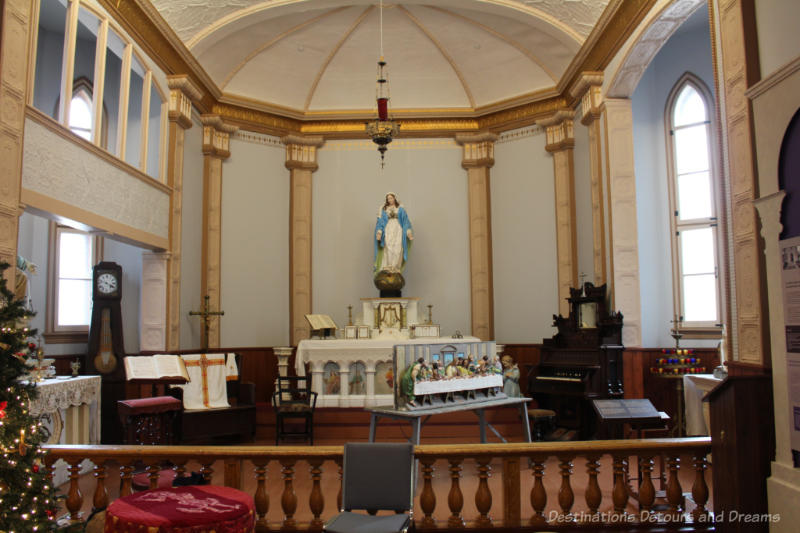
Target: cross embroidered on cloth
x,y
208,374
204,362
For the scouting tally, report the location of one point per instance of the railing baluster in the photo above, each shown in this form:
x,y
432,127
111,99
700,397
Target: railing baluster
x,y
179,466
699,487
288,498
483,496
100,500
647,491
153,473
674,491
261,498
316,500
126,475
427,499
538,494
207,471
455,499
620,495
565,495
74,497
593,494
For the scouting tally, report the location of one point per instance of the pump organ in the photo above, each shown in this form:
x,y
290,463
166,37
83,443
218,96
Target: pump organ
x,y
582,362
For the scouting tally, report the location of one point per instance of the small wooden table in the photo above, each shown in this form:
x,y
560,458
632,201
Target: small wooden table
x,y
418,417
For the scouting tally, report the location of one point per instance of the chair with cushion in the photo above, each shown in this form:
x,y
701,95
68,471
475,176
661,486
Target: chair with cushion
x,y
293,399
376,477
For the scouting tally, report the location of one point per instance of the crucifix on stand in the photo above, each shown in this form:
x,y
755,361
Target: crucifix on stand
x,y
206,315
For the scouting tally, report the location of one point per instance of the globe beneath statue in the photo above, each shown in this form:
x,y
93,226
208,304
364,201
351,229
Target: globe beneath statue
x,y
389,283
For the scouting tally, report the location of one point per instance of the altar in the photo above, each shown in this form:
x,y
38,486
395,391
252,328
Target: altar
x,y
358,372
70,410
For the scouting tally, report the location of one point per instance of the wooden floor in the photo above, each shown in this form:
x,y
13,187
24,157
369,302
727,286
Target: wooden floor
x,y
337,426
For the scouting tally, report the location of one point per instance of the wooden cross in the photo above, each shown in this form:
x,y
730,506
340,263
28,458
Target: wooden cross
x,y
206,316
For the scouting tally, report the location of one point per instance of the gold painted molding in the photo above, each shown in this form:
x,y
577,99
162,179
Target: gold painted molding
x,y
216,136
146,26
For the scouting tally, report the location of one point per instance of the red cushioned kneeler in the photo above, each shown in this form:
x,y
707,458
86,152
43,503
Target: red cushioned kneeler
x,y
149,420
194,509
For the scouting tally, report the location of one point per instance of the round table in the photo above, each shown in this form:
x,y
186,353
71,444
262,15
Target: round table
x,y
193,509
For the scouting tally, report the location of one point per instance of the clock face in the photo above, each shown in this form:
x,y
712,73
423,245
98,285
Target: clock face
x,y
107,283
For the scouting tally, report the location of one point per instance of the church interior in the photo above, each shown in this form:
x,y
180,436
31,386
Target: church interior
x,y
595,195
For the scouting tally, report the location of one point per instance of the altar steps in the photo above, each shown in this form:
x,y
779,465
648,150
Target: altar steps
x,y
352,424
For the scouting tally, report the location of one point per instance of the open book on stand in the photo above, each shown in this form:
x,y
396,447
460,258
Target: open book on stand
x,y
159,367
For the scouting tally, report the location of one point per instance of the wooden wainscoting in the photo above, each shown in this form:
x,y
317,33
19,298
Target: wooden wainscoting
x,y
662,392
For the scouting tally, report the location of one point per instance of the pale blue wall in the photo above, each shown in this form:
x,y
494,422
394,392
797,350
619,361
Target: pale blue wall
x,y
688,50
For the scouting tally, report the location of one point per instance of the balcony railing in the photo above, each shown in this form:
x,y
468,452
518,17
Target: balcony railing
x,y
549,511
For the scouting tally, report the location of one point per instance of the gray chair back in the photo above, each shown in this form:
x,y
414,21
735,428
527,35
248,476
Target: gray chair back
x,y
378,476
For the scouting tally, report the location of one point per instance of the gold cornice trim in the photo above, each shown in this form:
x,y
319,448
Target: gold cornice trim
x,y
183,83
477,137
310,140
584,82
48,122
145,25
616,24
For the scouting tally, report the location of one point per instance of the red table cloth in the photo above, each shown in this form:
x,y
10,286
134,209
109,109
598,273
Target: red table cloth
x,y
194,509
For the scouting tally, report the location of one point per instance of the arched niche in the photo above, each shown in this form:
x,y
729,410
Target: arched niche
x,y
789,178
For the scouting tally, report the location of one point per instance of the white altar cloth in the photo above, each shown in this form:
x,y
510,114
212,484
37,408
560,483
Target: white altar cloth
x,y
458,384
344,352
695,386
70,410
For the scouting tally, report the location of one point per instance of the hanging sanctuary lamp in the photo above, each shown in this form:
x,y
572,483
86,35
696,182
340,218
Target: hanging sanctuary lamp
x,y
382,129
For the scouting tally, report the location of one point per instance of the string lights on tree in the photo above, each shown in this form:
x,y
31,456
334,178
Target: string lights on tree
x,y
27,498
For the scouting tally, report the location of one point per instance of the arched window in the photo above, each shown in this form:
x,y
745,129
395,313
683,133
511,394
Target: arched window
x,y
693,177
80,111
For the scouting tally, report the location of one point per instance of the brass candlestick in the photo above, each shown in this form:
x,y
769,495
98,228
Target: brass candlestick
x,y
349,315
430,314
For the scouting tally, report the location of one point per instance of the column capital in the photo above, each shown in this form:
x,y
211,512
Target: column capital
x,y
301,152
216,136
182,92
589,89
558,128
478,149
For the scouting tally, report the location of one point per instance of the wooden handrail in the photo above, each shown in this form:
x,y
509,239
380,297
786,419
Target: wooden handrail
x,y
632,446
441,460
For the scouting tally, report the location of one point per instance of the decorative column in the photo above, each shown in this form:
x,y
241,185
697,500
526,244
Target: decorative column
x,y
301,160
216,149
478,158
15,17
589,90
181,95
369,400
560,143
624,239
153,308
740,70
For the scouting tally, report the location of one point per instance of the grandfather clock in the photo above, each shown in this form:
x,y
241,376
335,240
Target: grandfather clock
x,y
106,347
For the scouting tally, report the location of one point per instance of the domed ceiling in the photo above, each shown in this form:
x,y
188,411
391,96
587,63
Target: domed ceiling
x,y
317,58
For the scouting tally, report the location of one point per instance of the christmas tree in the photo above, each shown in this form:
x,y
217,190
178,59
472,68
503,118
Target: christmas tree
x,y
27,498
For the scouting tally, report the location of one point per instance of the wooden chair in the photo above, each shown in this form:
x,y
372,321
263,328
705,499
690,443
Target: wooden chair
x,y
293,399
237,420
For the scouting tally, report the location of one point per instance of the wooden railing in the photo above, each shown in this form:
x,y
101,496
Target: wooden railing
x,y
550,511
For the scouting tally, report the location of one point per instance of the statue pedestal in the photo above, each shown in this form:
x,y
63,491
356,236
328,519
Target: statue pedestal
x,y
389,314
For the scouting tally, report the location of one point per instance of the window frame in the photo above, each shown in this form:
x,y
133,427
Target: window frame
x,y
55,334
695,329
66,89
